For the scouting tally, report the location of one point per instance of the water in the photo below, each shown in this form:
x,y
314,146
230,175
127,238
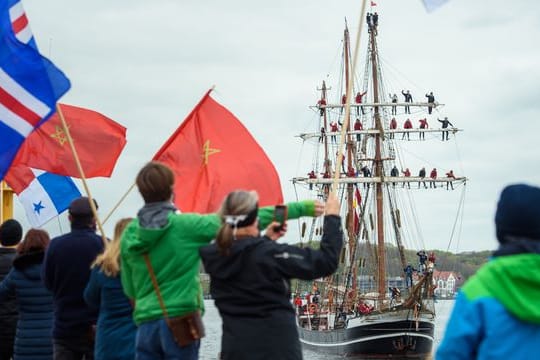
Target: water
x,y
211,344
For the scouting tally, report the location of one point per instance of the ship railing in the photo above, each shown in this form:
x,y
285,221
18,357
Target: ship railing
x,y
306,136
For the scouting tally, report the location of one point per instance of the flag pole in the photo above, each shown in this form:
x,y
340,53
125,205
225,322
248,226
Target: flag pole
x,y
118,203
348,94
81,172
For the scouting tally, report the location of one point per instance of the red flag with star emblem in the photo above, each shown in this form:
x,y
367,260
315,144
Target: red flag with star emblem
x,y
212,154
97,139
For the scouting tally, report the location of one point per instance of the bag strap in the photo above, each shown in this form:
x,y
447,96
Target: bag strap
x,y
156,286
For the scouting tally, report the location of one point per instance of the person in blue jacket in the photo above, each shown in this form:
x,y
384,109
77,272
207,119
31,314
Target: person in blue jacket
x,y
497,312
33,338
115,331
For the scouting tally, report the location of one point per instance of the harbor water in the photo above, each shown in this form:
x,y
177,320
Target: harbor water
x,y
211,343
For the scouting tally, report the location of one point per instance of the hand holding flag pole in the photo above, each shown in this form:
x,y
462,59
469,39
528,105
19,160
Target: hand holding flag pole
x,y
81,172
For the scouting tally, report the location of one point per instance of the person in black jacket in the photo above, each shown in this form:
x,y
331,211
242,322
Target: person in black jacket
x,y
250,278
66,270
33,340
10,235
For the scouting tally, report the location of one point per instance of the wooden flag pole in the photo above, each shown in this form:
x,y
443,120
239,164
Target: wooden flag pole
x,y
81,172
345,125
118,203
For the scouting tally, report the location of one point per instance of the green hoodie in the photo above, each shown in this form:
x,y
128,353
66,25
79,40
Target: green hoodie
x,y
174,254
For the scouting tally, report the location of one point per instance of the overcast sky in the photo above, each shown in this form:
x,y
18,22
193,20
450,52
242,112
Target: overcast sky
x,y
146,64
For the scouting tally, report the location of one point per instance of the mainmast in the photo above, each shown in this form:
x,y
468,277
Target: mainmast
x,y
381,256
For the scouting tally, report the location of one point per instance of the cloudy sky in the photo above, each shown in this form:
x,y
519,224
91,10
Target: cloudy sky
x,y
146,64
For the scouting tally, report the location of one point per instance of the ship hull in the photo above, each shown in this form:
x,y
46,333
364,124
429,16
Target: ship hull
x,y
374,338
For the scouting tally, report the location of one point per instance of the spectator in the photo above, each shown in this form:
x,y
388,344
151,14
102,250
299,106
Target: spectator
x,y
66,270
496,313
34,302
177,277
10,235
115,330
250,275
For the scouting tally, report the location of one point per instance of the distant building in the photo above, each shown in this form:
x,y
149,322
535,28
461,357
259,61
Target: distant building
x,y
447,283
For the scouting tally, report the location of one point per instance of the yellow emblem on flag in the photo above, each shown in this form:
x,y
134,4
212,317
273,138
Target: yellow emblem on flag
x,y
207,151
60,135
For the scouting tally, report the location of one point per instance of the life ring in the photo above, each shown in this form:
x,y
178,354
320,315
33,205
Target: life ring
x,y
313,308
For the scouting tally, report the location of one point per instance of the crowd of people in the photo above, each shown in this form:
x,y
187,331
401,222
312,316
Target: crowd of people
x,y
138,295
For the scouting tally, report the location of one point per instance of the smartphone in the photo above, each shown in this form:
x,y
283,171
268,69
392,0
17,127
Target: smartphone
x,y
280,216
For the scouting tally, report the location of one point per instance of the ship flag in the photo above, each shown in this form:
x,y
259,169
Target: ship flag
x,y
43,195
212,154
30,84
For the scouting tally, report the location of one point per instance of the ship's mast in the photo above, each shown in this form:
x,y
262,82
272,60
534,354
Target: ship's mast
x,y
381,257
327,167
350,187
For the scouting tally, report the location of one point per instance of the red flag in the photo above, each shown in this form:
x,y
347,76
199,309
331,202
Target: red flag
x,y
373,3
211,154
97,139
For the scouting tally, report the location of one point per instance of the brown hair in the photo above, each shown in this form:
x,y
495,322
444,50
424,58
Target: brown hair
x,y
155,182
34,240
109,260
238,202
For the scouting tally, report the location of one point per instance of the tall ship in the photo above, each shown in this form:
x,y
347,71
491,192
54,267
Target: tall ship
x,y
379,303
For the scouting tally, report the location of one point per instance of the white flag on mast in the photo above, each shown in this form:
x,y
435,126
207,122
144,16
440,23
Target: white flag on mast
x,y
431,5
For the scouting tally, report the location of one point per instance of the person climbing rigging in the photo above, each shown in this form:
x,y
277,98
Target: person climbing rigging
x,y
422,258
431,101
406,173
445,122
433,176
407,126
408,99
423,125
409,270
450,175
321,103
422,175
394,99
358,101
358,127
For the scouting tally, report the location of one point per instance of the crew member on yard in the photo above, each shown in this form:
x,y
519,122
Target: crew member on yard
x,y
423,125
431,101
444,125
358,101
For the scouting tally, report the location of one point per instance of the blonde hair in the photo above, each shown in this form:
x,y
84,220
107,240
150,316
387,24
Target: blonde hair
x,y
109,260
238,202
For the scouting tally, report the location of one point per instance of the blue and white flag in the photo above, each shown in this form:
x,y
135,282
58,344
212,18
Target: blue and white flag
x,y
432,5
43,195
30,84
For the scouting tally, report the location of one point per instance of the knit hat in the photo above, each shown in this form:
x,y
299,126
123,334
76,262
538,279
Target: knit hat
x,y
80,207
10,232
518,213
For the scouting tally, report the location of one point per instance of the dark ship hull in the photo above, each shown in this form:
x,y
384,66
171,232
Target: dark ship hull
x,y
374,337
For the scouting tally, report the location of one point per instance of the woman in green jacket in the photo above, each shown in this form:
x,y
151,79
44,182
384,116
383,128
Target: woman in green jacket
x,y
172,241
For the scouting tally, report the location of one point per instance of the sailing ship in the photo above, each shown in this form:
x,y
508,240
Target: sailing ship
x,y
362,310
